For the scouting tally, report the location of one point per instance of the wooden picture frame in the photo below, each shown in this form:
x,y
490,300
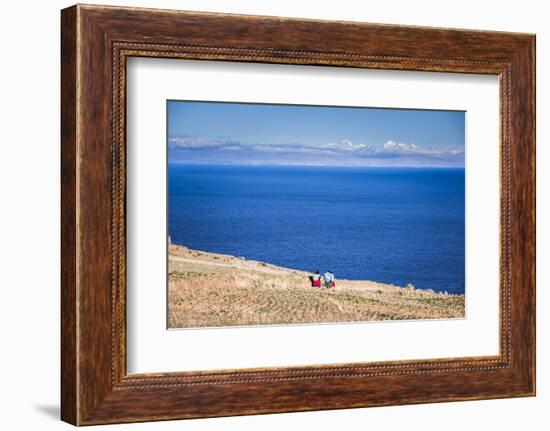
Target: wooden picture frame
x,y
95,43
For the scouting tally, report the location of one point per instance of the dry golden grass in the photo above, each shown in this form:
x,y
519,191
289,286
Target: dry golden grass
x,y
211,290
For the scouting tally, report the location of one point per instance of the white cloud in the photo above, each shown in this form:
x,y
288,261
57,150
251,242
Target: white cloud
x,y
203,143
290,148
345,145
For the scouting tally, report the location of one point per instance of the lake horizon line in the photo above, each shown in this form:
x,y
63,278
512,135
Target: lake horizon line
x,y
275,165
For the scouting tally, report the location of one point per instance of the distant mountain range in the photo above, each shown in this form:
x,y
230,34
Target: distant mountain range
x,y
223,150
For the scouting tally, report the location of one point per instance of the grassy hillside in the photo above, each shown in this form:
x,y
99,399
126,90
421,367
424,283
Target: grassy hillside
x,y
209,290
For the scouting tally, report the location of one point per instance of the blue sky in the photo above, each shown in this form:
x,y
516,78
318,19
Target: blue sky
x,y
237,133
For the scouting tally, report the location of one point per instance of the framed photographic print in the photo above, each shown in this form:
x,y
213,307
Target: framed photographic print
x,y
264,214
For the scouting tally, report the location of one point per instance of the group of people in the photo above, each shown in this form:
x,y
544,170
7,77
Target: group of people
x,y
327,279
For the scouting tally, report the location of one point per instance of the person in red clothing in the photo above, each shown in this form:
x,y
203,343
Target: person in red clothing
x,y
315,279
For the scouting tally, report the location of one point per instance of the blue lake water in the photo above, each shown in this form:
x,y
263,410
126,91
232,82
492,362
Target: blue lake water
x,y
392,225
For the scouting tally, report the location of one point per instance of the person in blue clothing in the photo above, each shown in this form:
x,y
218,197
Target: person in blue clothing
x,y
328,278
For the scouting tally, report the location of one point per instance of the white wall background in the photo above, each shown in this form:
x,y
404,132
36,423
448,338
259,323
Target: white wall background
x,y
29,214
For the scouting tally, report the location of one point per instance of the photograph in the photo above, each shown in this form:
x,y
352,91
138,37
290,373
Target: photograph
x,y
298,214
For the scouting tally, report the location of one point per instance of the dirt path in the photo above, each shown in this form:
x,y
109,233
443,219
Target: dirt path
x,y
249,265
